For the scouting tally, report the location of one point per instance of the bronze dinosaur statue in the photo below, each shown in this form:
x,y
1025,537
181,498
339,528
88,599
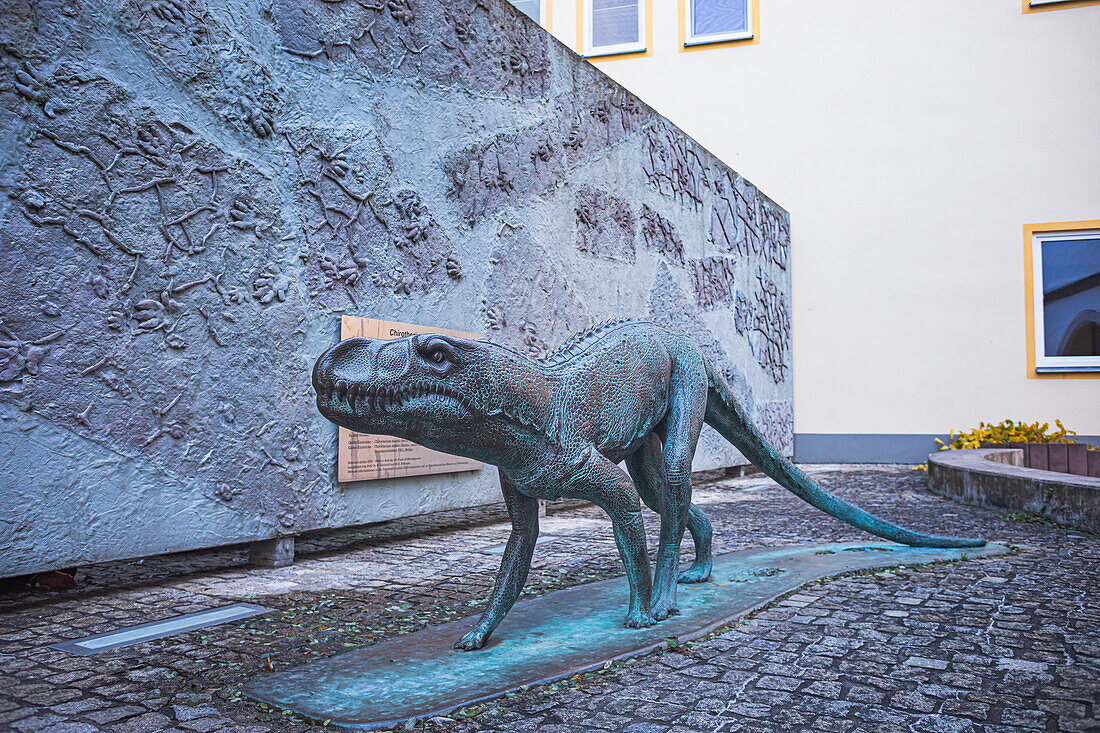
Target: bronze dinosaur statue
x,y
556,427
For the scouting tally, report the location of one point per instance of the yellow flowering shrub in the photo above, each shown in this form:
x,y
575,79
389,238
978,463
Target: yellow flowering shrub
x,y
1008,431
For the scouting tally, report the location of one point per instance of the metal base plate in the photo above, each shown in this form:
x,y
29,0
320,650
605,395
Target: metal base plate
x,y
159,629
554,636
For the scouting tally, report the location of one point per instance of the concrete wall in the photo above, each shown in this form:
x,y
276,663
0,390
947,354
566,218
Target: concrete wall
x,y
912,140
997,479
195,191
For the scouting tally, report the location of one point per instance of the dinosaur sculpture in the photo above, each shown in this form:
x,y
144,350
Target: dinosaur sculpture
x,y
624,390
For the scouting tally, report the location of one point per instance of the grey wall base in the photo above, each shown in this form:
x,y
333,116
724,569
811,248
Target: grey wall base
x,y
875,447
996,478
273,553
863,447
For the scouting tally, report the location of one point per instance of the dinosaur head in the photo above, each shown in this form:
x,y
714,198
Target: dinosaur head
x,y
427,388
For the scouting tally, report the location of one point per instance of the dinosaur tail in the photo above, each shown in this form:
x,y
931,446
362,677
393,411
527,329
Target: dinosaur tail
x,y
726,416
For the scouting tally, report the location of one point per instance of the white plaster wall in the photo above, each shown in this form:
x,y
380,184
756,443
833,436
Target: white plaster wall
x,y
911,140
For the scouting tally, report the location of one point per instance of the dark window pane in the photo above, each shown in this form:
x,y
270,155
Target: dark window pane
x,y
719,16
1071,297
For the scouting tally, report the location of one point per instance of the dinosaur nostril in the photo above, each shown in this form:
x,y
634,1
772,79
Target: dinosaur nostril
x,y
349,360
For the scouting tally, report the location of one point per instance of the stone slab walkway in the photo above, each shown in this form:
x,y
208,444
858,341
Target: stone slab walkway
x,y
1000,644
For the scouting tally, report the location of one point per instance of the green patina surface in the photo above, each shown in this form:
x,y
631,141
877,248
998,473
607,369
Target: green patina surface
x,y
627,391
556,635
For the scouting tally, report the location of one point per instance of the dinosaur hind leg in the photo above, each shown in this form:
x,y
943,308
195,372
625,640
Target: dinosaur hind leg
x,y
701,534
646,467
686,408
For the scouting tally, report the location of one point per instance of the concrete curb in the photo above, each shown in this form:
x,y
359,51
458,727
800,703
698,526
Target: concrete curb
x,y
996,478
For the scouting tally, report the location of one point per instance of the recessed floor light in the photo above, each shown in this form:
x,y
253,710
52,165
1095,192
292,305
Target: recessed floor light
x,y
159,629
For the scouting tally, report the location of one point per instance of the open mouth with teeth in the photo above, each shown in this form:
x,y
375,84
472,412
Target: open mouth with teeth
x,y
343,397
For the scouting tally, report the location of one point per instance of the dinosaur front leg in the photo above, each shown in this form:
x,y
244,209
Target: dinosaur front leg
x,y
514,566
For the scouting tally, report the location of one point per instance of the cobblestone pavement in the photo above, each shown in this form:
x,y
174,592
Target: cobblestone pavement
x,y
1003,644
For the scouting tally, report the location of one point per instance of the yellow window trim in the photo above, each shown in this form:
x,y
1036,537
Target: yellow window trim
x,y
616,56
1030,230
1064,5
722,44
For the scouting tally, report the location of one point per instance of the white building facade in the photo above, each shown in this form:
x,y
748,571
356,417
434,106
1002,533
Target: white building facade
x,y
934,154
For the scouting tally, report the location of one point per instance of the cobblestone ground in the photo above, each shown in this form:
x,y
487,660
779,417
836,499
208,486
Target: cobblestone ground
x,y
1004,644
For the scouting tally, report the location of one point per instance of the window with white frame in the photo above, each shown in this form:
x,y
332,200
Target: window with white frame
x,y
533,9
614,26
708,21
1067,300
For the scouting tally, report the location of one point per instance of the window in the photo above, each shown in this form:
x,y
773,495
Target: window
x,y
1066,285
709,21
533,9
614,26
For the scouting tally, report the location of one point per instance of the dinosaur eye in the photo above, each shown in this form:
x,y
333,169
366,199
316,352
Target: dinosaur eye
x,y
440,358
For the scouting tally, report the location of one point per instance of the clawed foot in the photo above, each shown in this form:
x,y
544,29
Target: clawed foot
x,y
473,639
695,574
638,620
663,609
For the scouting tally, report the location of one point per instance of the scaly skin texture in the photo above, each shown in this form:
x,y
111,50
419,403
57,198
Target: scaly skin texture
x,y
624,390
